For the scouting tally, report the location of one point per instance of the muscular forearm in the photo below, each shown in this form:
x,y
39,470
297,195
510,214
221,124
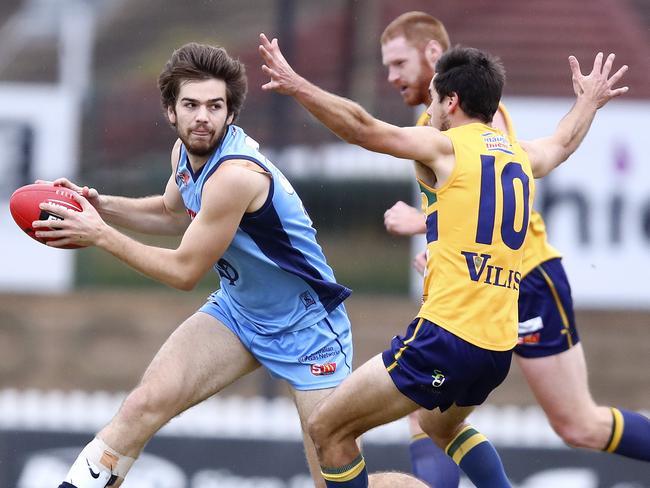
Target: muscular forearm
x,y
572,128
345,118
160,264
147,215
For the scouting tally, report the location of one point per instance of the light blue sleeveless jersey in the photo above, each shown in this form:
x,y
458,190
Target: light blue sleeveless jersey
x,y
274,273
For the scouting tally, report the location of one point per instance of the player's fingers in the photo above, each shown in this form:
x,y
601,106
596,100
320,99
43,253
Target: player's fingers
x,y
59,242
264,40
607,67
89,192
575,66
618,75
264,52
57,233
66,183
55,209
270,86
48,225
81,200
618,91
598,62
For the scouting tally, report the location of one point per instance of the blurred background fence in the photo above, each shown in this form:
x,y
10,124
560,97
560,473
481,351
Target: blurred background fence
x,y
78,97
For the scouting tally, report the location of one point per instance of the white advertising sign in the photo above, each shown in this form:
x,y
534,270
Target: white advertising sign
x,y
38,135
597,204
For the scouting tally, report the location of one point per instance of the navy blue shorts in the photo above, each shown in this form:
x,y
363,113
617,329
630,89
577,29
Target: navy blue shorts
x,y
435,368
547,325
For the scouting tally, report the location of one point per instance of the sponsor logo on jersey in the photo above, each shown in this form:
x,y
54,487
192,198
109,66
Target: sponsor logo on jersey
x,y
438,378
191,213
227,271
307,300
531,325
529,338
480,271
323,369
183,176
497,142
322,355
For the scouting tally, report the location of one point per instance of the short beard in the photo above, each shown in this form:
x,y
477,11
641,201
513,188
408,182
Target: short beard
x,y
202,151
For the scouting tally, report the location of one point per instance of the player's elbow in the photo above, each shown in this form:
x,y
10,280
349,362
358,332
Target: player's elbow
x,y
185,278
540,170
186,284
549,158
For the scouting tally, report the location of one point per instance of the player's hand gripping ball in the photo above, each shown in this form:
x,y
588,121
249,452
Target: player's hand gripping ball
x,y
24,203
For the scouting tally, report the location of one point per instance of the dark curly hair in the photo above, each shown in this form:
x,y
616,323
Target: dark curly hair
x,y
195,61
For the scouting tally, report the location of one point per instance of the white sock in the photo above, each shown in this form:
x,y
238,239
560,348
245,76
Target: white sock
x,y
97,464
86,474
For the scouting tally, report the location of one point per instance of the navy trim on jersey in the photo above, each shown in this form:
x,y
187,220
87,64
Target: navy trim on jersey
x,y
269,197
274,242
432,227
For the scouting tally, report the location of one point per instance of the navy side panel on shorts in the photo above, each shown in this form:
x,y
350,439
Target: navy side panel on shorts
x,y
435,368
546,320
311,358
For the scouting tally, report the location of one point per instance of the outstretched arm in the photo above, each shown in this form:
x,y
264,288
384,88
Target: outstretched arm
x,y
592,92
347,119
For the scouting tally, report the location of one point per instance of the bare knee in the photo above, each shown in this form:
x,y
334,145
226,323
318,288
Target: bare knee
x,y
589,432
440,433
148,406
318,428
325,429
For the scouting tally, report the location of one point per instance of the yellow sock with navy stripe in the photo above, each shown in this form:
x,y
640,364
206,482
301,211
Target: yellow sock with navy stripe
x,y
478,459
630,435
353,475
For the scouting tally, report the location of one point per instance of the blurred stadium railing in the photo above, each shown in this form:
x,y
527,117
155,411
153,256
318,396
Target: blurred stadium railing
x,y
221,436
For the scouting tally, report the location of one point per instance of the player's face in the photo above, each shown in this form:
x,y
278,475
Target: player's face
x,y
408,70
438,115
201,115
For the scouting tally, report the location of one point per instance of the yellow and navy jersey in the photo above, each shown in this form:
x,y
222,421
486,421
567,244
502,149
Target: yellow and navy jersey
x,y
476,227
537,250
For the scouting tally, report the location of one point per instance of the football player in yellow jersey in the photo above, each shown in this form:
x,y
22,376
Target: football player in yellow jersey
x,y
548,346
459,347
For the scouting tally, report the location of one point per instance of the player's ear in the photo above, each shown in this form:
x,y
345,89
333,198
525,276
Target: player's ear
x,y
432,52
171,115
231,117
453,102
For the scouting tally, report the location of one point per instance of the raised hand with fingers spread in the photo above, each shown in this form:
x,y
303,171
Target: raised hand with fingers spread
x,y
597,86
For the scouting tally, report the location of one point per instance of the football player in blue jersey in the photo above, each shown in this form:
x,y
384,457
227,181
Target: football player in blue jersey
x,y
279,305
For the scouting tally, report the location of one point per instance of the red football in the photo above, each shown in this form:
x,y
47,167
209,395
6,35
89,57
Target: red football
x,y
24,203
